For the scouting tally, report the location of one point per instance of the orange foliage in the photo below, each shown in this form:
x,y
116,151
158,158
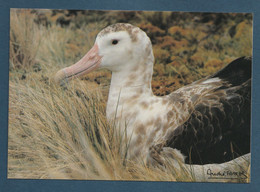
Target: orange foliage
x,y
159,53
165,42
177,29
213,65
175,63
241,28
149,28
196,59
228,60
181,43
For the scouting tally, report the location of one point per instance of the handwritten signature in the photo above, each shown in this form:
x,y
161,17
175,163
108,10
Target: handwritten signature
x,y
226,174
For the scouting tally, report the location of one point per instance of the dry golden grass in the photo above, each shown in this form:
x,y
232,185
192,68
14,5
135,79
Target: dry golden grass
x,y
61,132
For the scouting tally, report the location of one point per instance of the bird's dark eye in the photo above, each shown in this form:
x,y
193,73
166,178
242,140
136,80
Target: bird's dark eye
x,y
114,42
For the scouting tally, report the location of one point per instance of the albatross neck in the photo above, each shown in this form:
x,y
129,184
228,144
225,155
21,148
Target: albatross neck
x,y
128,84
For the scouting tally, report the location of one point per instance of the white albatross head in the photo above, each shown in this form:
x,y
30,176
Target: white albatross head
x,y
119,47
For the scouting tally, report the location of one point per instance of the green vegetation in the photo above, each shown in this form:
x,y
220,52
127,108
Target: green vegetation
x,y
62,133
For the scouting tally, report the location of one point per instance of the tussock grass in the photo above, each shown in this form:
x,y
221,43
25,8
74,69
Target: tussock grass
x,y
62,132
24,40
58,128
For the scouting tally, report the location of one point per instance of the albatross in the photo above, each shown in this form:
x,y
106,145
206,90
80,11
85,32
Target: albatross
x,y
205,122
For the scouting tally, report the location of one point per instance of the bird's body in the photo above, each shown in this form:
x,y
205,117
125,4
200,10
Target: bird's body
x,y
207,121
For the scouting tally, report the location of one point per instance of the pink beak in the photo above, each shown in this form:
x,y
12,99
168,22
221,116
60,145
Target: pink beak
x,y
85,65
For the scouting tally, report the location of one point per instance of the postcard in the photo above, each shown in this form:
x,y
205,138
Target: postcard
x,y
130,95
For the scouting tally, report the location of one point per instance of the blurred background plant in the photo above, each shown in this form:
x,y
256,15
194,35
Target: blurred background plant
x,y
62,132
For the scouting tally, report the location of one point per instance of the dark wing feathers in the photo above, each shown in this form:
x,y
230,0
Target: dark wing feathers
x,y
220,132
237,72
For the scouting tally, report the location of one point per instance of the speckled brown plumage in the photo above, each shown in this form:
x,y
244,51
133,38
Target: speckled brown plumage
x,y
132,30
